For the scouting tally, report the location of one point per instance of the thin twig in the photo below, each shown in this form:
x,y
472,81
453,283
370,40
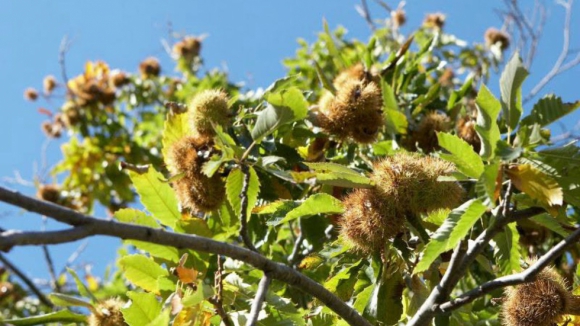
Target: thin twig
x,y
26,280
514,279
71,259
244,209
217,300
364,11
559,66
259,299
86,226
295,256
53,279
64,47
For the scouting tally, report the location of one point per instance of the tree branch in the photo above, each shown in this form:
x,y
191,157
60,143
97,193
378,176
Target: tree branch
x,y
90,226
259,299
455,272
26,280
364,11
514,279
559,66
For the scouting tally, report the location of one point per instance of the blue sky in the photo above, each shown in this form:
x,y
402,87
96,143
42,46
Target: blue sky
x,y
249,37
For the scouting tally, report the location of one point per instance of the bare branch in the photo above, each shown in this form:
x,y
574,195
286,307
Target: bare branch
x,y
86,226
217,300
559,66
514,279
295,256
259,300
64,47
244,209
26,280
364,11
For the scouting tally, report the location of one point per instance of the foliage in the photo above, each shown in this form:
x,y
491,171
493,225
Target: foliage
x,y
286,175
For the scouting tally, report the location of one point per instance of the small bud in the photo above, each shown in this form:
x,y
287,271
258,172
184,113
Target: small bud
x,y
149,68
30,94
188,48
493,36
119,79
49,83
434,21
399,18
50,193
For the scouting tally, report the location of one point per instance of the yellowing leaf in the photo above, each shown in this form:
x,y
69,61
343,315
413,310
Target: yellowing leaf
x,y
536,184
311,262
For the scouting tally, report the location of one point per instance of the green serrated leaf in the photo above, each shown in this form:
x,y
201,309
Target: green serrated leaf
x,y
234,185
142,271
387,293
62,316
143,310
81,287
157,197
156,250
280,84
342,284
337,175
488,108
161,319
510,84
135,216
507,250
550,223
277,207
395,121
63,300
466,160
488,179
448,235
325,82
316,204
285,106
549,109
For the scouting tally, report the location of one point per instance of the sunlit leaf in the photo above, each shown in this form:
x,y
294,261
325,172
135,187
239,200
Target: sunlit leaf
x,y
488,108
142,271
536,184
157,197
549,109
316,204
63,300
462,155
507,250
234,186
285,106
62,316
510,84
338,175
176,127
448,235
143,310
342,284
135,216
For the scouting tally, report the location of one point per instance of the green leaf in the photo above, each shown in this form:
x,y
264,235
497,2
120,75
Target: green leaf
x,y
63,300
142,271
325,82
342,284
144,308
161,319
385,147
316,204
81,287
339,175
385,305
281,83
234,185
488,108
363,298
507,250
488,179
506,152
285,106
466,160
331,46
549,109
135,216
62,316
550,223
457,95
157,196
510,84
448,235
156,250
176,127
395,121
